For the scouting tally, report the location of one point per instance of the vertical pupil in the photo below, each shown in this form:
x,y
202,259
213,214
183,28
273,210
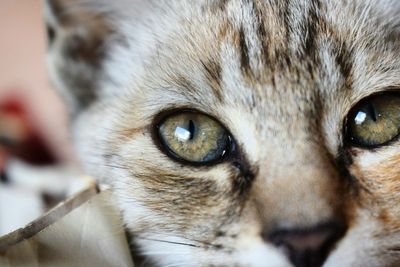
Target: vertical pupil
x,y
191,129
372,112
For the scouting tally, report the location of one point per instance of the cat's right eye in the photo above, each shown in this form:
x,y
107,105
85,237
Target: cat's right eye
x,y
194,138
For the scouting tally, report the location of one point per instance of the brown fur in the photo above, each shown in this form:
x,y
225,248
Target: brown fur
x,y
281,77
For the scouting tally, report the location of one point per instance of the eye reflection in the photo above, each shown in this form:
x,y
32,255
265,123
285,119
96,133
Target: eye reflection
x,y
182,134
360,117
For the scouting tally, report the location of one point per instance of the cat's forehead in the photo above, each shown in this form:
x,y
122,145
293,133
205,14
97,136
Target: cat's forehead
x,y
252,54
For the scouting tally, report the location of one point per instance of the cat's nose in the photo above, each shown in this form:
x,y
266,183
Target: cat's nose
x,y
307,247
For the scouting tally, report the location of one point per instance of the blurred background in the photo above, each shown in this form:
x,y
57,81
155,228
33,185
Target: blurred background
x,y
36,157
23,71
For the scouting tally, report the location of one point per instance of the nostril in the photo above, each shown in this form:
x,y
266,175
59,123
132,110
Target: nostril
x,y
307,247
299,240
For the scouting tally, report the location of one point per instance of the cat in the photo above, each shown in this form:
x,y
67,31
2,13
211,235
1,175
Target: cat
x,y
243,133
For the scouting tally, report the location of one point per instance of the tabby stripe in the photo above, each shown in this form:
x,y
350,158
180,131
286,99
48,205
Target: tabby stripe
x,y
343,59
244,54
312,24
262,35
213,73
222,5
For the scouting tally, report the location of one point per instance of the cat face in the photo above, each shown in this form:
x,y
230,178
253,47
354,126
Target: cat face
x,y
239,133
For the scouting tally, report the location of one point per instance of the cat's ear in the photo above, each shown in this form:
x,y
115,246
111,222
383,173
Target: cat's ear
x,y
79,36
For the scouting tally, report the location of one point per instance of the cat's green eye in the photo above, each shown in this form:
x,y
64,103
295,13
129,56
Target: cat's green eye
x,y
375,121
194,137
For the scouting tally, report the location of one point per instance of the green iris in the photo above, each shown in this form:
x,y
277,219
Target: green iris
x,y
194,137
375,121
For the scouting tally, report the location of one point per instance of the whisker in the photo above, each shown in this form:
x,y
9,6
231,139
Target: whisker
x,y
202,244
169,242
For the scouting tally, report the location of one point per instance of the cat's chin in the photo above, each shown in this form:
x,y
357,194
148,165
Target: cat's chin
x,y
261,255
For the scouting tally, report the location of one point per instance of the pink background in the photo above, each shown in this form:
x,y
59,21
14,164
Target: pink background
x,y
23,70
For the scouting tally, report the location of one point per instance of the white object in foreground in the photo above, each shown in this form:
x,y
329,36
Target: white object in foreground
x,y
85,230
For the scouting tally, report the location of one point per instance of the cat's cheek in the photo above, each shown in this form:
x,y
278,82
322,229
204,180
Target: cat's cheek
x,y
240,245
360,247
375,210
379,175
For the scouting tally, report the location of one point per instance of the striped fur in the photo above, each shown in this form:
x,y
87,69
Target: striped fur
x,y
281,76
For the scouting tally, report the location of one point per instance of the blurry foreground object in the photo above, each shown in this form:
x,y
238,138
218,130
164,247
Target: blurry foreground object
x,y
85,230
37,164
33,179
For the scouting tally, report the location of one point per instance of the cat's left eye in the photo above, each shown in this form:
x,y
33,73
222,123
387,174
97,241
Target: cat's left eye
x,y
194,137
375,121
